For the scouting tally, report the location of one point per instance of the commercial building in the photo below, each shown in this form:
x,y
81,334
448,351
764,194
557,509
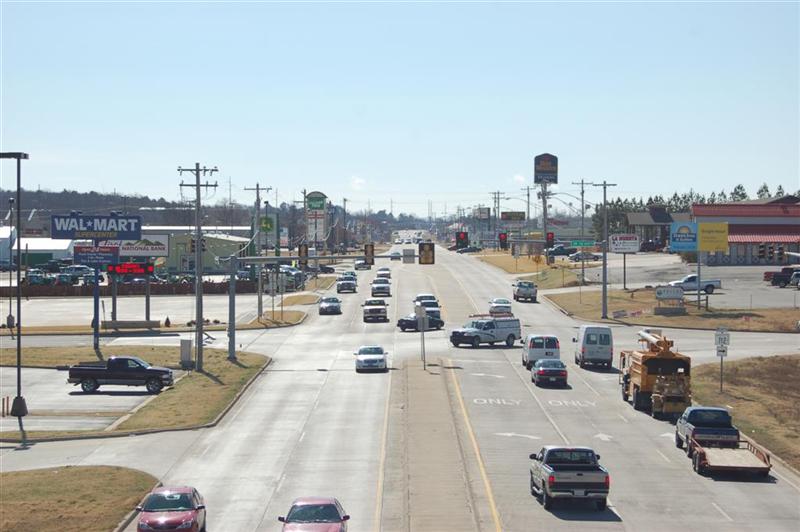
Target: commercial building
x,y
37,251
7,236
773,222
655,223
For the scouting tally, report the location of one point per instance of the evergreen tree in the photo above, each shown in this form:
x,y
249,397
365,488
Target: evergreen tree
x,y
763,192
722,197
712,198
779,192
739,193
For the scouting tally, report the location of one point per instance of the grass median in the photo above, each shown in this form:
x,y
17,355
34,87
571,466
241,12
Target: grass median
x,y
70,498
300,299
196,399
763,397
638,306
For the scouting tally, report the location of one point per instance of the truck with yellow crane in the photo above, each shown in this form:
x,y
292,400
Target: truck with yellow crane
x,y
655,378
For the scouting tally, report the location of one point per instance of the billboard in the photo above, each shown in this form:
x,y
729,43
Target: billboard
x,y
96,256
623,243
513,216
683,236
315,201
148,246
70,227
482,213
545,169
712,237
316,217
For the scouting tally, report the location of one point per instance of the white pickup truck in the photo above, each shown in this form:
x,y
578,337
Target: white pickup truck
x,y
689,283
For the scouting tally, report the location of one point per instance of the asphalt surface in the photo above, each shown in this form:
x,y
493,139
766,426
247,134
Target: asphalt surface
x,y
311,425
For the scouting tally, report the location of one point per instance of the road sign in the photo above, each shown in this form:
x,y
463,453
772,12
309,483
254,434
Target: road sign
x,y
408,256
513,216
722,351
722,337
623,243
545,169
581,243
669,292
71,227
426,253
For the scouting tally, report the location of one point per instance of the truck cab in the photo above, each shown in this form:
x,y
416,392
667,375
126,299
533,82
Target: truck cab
x,y
708,426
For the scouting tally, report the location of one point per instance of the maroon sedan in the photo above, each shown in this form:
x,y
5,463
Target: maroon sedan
x,y
315,514
173,508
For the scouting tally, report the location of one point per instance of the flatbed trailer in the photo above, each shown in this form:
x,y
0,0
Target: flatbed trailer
x,y
746,457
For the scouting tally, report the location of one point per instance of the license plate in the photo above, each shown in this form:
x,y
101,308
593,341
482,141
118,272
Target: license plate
x,y
548,353
552,378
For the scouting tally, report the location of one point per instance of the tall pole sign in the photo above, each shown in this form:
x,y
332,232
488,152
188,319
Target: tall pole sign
x,y
545,171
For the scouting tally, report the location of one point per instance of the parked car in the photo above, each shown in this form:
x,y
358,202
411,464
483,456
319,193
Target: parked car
x,y
584,255
783,278
690,283
540,347
312,514
126,371
330,305
499,306
546,371
411,322
594,345
651,245
525,290
346,286
371,357
172,508
487,331
568,473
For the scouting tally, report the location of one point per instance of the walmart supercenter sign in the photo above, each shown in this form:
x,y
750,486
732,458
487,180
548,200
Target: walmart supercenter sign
x,y
71,227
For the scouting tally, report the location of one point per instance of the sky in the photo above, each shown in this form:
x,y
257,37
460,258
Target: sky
x,y
401,103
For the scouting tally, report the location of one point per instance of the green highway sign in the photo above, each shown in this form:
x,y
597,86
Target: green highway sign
x,y
581,243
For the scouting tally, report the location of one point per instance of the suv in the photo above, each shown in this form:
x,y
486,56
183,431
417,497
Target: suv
x,y
361,265
525,290
345,286
381,287
375,309
487,330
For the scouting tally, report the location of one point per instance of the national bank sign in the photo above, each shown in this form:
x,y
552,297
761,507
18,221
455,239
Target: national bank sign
x,y
71,227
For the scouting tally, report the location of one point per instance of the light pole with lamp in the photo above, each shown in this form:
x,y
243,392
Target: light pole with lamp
x,y
18,408
10,317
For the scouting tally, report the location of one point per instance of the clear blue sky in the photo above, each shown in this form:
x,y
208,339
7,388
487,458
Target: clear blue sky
x,y
408,101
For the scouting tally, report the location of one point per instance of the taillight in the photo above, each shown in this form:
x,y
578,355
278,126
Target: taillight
x,y
552,480
608,481
562,373
583,349
558,344
540,372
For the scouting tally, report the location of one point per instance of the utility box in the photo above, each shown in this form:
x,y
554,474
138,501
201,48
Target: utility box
x,y
186,355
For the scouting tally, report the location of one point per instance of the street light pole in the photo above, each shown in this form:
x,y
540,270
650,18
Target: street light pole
x,y
605,186
18,408
10,318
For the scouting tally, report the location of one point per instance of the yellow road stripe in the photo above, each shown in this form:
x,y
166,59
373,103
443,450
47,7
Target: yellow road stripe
x,y
476,449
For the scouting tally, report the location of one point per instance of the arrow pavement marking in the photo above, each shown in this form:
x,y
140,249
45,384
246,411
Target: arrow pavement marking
x,y
603,437
487,375
512,434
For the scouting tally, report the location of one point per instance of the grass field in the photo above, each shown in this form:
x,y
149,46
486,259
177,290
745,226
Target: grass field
x,y
278,319
763,396
559,275
195,399
321,283
70,498
588,306
300,299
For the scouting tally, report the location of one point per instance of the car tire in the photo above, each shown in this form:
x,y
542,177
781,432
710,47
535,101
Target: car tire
x,y
547,501
402,328
601,505
637,404
534,300
154,386
710,289
678,441
781,284
476,342
510,341
522,361
582,362
455,344
699,469
89,385
688,449
534,491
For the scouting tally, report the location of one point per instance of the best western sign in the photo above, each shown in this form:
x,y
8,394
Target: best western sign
x,y
70,227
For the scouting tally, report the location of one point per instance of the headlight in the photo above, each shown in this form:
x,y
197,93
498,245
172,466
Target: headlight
x,y
144,526
186,524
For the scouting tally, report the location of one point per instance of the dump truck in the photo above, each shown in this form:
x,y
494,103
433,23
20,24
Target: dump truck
x,y
654,377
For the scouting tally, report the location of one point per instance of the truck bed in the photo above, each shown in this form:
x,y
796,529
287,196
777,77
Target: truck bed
x,y
747,457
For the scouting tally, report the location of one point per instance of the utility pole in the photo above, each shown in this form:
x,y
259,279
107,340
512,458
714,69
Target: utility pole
x,y
545,197
605,186
257,227
583,211
198,254
344,208
496,199
528,205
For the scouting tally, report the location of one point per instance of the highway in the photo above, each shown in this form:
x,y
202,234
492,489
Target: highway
x,y
311,426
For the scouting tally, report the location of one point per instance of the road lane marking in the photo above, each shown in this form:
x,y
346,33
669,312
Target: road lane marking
x,y
603,437
541,406
578,373
514,434
487,375
623,418
574,402
726,516
496,401
376,522
476,450
663,455
784,479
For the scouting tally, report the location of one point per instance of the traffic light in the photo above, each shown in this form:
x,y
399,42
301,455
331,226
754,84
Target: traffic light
x,y
462,239
780,254
193,245
302,252
762,251
771,252
426,253
551,239
503,238
369,254
203,243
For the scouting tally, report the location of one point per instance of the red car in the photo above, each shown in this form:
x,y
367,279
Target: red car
x,y
315,514
173,508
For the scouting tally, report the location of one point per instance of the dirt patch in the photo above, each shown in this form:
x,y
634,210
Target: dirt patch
x,y
762,395
279,318
70,498
301,299
553,278
638,306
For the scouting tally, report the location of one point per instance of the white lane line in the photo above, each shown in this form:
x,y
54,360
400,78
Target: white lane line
x,y
784,479
663,455
546,413
578,373
726,516
623,418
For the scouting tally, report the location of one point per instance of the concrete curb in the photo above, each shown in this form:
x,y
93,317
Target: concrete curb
x,y
128,519
210,424
556,305
772,455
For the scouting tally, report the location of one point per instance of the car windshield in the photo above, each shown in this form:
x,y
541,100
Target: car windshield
x,y
525,284
571,456
371,350
550,364
330,300
429,303
380,280
501,301
313,513
168,502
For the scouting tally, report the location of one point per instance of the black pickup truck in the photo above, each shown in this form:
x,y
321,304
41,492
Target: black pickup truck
x,y
125,371
782,277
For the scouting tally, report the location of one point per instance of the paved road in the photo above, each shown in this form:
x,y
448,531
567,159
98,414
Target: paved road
x,y
311,425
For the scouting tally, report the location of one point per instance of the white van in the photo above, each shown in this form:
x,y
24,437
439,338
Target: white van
x,y
540,346
594,345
